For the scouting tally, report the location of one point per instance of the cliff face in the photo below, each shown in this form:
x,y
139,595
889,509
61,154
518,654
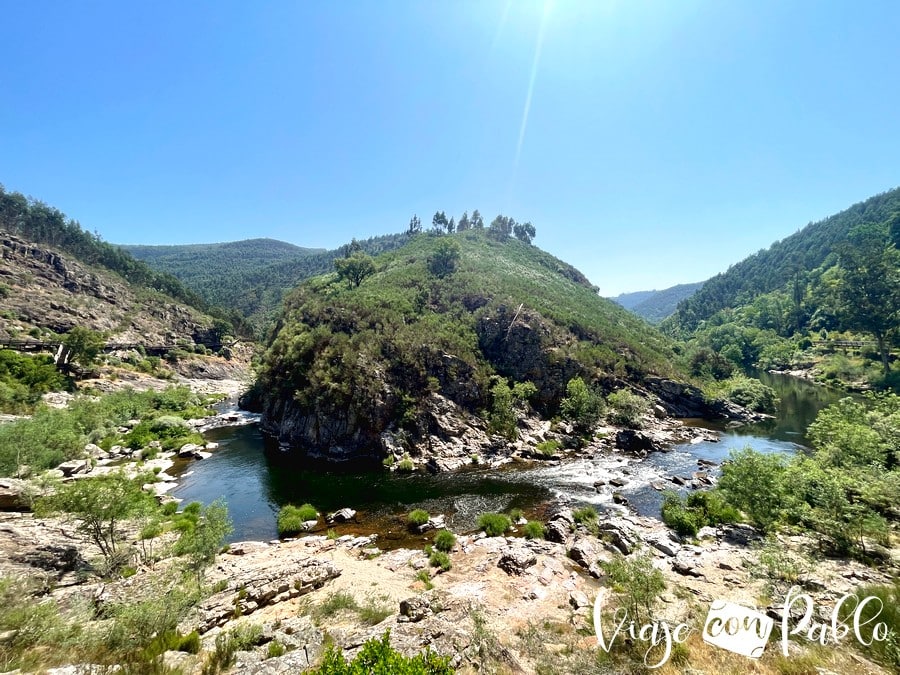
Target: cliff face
x,y
42,290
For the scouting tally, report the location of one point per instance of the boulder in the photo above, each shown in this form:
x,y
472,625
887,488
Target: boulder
x,y
74,466
14,495
619,537
515,560
340,516
558,531
636,442
190,450
414,609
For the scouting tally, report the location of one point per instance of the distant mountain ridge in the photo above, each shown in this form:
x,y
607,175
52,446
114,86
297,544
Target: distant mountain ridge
x,y
249,276
772,268
654,306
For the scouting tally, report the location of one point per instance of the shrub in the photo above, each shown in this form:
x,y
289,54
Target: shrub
x,y
628,408
516,515
548,448
585,515
444,541
275,649
417,517
291,518
582,405
494,524
377,656
534,530
639,583
440,559
678,517
406,464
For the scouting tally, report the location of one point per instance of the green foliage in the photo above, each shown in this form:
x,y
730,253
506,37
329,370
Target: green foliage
x,y
586,515
425,578
85,345
200,542
377,656
745,391
24,378
494,524
638,583
627,408
444,259
582,405
534,530
354,268
753,482
886,610
55,435
504,417
242,638
275,649
444,541
100,505
701,509
440,559
417,517
291,518
548,448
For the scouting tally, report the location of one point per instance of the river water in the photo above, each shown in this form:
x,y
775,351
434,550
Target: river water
x,y
255,479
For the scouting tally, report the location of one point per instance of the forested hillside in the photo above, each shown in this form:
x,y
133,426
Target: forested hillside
x,y
36,222
365,349
824,301
250,276
654,306
774,267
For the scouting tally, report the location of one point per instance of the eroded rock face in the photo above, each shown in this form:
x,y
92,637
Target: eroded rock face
x,y
55,291
14,495
259,578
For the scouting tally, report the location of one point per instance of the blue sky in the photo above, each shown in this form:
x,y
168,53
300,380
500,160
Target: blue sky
x,y
663,142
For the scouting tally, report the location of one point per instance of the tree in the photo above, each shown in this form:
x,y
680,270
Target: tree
x,y
524,232
84,345
869,289
477,220
354,268
501,227
201,542
443,261
415,225
451,226
753,482
463,223
439,222
101,504
582,405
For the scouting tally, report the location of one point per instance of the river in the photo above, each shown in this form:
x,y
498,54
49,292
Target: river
x,y
256,480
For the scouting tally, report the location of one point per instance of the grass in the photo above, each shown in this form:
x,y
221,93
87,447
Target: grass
x,y
417,517
444,541
548,448
494,524
441,560
425,578
373,611
534,530
291,519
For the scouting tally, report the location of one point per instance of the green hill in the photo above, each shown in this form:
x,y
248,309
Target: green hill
x,y
249,276
825,300
654,306
348,363
772,268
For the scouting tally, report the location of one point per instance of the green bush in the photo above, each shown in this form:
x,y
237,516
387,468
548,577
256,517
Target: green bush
x,y
444,541
627,408
494,524
534,530
417,517
377,656
678,517
582,405
585,515
275,649
440,559
638,582
885,652
291,518
548,448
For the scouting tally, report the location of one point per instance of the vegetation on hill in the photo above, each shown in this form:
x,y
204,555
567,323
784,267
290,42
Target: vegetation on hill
x,y
372,353
39,223
826,298
654,306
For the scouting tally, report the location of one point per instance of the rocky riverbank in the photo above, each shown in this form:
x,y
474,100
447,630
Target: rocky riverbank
x,y
508,603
